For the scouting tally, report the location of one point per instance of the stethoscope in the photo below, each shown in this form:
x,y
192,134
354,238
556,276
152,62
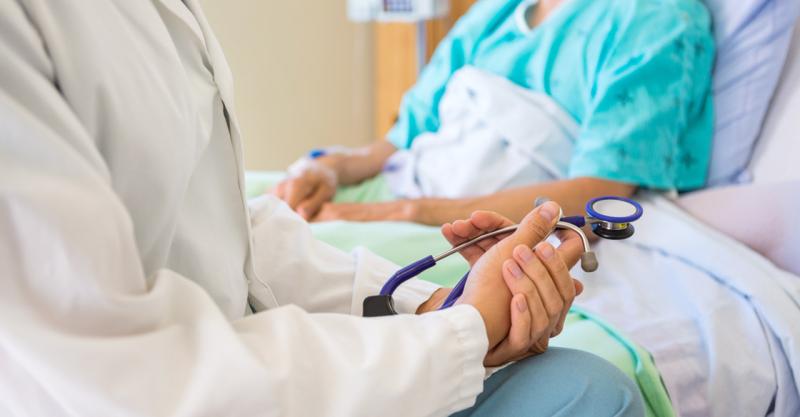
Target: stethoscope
x,y
610,217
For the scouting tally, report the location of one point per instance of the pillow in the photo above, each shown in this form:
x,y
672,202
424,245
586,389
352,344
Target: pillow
x,y
752,39
776,155
762,216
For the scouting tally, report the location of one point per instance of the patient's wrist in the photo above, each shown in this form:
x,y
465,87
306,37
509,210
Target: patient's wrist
x,y
334,162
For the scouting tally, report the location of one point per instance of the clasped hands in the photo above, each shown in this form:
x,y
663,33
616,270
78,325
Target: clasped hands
x,y
523,295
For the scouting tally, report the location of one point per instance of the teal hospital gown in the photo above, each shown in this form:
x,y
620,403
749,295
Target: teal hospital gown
x,y
634,74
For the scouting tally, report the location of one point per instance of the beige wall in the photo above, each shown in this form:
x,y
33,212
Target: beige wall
x,y
303,75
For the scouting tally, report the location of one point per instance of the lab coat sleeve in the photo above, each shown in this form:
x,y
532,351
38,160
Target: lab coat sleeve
x,y
315,275
83,332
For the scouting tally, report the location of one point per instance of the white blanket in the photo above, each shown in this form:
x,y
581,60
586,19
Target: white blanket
x,y
493,135
722,322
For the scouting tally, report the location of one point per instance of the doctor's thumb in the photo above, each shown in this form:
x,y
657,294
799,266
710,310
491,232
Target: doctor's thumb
x,y
537,225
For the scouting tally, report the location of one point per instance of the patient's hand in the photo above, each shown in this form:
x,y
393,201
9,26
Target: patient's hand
x,y
306,191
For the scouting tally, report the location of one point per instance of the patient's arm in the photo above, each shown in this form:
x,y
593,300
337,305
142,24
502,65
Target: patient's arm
x,y
361,163
514,203
313,184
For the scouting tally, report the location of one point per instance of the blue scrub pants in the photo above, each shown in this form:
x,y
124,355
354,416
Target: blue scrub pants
x,y
560,382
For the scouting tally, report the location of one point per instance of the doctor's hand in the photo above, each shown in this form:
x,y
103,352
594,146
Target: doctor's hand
x,y
542,294
489,291
478,223
308,189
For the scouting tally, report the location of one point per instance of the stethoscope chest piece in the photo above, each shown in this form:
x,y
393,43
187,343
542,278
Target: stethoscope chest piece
x,y
611,217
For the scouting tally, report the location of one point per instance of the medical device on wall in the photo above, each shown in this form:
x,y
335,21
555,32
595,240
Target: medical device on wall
x,y
609,217
396,10
409,11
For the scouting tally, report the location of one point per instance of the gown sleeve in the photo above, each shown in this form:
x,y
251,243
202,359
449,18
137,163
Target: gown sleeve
x,y
650,114
84,332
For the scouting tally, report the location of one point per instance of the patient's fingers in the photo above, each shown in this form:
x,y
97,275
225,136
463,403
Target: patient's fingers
x,y
279,190
309,207
296,191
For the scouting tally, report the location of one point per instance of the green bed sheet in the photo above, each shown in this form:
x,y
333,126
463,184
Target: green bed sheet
x,y
404,243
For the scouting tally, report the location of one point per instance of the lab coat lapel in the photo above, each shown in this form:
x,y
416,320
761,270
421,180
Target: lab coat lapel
x,y
262,296
222,73
178,9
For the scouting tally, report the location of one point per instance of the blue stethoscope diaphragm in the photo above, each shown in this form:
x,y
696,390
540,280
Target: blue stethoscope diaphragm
x,y
610,218
614,209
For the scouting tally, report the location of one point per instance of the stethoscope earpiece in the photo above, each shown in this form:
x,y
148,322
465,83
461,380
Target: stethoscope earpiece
x,y
589,261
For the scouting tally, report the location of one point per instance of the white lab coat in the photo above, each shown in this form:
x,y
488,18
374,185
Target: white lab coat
x,y
128,252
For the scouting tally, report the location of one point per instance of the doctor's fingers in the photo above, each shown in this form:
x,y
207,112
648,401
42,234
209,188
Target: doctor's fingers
x,y
560,275
518,342
570,251
545,284
470,253
488,221
479,223
519,282
570,248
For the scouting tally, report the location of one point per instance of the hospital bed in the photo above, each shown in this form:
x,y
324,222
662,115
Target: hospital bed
x,y
702,306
